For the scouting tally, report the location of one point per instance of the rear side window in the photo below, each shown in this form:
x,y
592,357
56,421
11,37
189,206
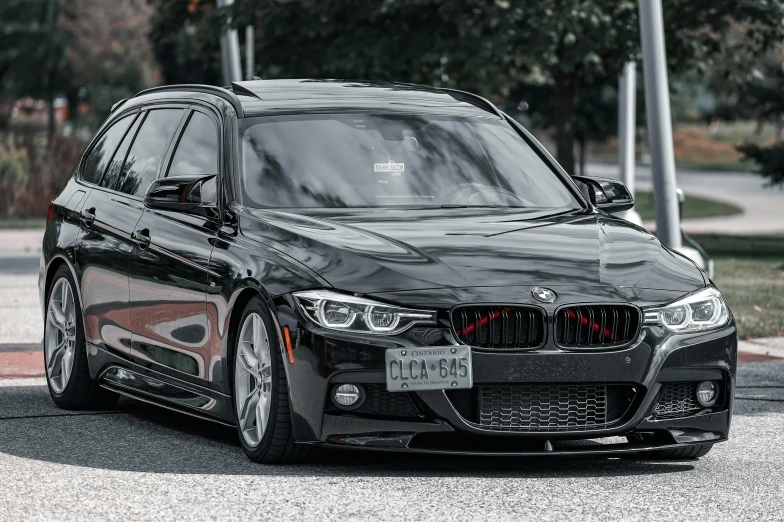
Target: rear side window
x,y
197,151
112,175
99,157
152,140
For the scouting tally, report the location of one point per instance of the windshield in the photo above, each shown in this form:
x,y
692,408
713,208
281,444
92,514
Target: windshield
x,y
370,160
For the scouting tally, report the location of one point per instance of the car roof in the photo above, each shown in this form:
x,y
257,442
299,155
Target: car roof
x,y
264,97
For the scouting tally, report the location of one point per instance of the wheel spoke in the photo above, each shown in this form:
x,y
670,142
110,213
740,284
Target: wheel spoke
x,y
64,301
247,358
248,413
266,374
56,317
56,358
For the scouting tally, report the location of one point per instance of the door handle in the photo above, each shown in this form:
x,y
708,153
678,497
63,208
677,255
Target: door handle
x,y
142,238
88,216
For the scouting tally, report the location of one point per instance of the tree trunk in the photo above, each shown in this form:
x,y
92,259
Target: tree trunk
x,y
73,104
564,120
581,152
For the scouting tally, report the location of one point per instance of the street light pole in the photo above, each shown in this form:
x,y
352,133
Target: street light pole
x,y
657,108
250,53
627,112
230,52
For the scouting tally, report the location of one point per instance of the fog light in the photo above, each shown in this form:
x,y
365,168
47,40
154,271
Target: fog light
x,y
707,393
348,396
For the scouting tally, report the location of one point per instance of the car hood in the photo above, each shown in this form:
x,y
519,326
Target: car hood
x,y
373,251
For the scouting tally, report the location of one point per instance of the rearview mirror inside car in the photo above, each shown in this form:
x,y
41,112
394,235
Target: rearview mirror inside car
x,y
607,194
181,193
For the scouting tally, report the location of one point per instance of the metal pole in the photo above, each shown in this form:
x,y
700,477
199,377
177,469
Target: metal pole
x,y
626,123
627,109
230,52
250,52
657,107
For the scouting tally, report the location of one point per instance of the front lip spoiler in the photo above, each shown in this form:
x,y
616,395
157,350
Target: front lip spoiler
x,y
602,450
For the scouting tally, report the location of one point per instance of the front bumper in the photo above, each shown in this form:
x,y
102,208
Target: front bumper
x,y
323,359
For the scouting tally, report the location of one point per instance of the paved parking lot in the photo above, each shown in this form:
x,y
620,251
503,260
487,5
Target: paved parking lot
x,y
141,463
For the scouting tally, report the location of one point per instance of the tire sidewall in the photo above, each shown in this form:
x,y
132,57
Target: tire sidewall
x,y
79,349
256,305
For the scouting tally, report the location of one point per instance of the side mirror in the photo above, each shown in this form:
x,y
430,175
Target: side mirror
x,y
179,193
607,194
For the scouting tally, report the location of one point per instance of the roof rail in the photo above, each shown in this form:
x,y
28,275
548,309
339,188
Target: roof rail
x,y
473,99
206,89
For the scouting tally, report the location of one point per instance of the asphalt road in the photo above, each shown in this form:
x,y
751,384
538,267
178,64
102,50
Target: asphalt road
x,y
142,463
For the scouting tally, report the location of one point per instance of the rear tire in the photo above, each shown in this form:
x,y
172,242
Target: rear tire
x,y
65,350
259,374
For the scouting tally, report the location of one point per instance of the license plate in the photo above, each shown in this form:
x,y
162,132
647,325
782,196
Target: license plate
x,y
429,368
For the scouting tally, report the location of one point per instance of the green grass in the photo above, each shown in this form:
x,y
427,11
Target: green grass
x,y
693,207
749,270
22,223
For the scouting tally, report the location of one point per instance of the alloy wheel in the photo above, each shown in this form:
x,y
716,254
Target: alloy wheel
x,y
60,335
253,379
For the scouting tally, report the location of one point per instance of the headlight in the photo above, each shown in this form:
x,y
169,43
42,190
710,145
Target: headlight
x,y
698,312
356,314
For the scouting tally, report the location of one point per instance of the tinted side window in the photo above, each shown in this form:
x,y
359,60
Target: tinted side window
x,y
112,175
197,151
98,158
152,140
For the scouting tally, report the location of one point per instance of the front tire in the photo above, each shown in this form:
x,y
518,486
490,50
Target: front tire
x,y
260,389
65,351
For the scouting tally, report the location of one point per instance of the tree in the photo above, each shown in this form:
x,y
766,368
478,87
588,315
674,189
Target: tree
x,y
32,61
766,94
108,52
491,47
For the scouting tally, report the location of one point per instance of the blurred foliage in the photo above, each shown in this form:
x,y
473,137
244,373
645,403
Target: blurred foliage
x,y
185,38
770,160
33,169
90,51
574,48
764,101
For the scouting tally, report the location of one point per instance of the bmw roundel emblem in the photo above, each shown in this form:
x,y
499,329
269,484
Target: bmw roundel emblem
x,y
544,295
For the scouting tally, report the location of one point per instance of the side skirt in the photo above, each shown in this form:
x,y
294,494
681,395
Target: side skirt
x,y
130,379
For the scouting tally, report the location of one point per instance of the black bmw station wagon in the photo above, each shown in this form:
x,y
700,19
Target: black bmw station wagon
x,y
379,266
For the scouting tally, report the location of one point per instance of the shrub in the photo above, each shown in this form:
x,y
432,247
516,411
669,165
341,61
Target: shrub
x,y
770,161
33,169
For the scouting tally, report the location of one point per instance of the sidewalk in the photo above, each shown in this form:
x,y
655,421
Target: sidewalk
x,y
762,206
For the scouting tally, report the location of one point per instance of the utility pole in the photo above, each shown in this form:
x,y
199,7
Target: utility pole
x,y
657,107
627,112
230,52
250,52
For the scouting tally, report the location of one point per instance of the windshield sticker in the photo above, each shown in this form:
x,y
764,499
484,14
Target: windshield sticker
x,y
390,166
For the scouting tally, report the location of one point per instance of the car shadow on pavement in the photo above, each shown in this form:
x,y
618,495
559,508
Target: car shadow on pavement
x,y
142,438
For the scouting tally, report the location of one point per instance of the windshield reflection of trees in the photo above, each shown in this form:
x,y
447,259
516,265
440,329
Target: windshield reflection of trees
x,y
329,162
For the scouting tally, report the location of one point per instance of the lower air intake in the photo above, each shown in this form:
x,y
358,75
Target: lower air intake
x,y
378,401
677,399
558,407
